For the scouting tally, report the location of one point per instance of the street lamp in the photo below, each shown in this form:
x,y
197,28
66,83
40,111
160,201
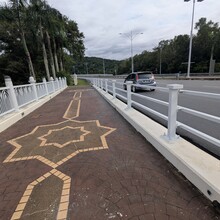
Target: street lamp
x,y
191,35
87,72
103,66
131,37
160,59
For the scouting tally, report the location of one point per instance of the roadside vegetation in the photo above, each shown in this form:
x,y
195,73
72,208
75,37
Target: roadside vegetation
x,y
174,52
37,40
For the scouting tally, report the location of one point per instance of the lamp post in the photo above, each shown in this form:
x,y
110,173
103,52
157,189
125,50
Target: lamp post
x,y
87,72
131,37
103,66
191,36
160,59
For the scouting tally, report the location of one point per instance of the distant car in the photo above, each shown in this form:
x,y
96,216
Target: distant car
x,y
141,78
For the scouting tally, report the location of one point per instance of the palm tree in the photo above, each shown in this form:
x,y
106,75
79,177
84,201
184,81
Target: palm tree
x,y
16,12
37,10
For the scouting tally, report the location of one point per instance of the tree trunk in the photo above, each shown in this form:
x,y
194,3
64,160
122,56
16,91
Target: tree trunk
x,y
30,64
61,59
44,54
212,62
51,55
55,56
61,65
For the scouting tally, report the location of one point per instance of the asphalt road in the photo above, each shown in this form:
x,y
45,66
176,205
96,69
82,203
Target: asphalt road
x,y
202,104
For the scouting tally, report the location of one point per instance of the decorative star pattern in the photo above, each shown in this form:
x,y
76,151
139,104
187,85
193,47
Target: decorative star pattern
x,y
53,145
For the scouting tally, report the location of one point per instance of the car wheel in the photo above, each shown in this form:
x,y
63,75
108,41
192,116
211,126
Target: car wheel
x,y
133,89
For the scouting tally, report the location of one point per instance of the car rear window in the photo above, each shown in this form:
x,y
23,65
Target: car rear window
x,y
144,75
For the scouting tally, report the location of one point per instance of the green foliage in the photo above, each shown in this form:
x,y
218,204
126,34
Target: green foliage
x,y
82,82
25,26
95,65
174,52
66,74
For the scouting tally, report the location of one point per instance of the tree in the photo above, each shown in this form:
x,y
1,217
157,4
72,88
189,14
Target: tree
x,y
16,13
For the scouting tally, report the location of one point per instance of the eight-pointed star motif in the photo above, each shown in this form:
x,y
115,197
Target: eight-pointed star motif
x,y
29,146
63,136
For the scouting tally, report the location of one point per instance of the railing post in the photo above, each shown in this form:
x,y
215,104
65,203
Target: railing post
x,y
58,83
65,80
12,95
32,82
101,84
45,84
128,84
75,79
52,81
113,87
61,82
106,85
172,110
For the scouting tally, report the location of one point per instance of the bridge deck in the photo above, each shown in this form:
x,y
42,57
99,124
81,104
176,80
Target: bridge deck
x,y
77,158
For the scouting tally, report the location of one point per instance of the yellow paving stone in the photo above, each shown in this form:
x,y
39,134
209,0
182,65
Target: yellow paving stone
x,y
60,162
64,199
57,173
65,192
34,183
70,156
63,206
16,215
66,186
61,175
62,215
41,179
30,187
47,175
67,180
51,164
24,199
20,207
54,166
64,160
27,192
53,171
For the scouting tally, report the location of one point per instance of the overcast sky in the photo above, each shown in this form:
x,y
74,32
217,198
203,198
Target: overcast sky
x,y
101,21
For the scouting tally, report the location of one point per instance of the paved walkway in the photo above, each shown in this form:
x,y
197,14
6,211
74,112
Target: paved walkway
x,y
76,158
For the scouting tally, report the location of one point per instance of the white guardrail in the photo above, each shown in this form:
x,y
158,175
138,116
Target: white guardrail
x,y
12,98
111,86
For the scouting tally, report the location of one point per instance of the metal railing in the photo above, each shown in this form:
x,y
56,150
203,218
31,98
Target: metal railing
x,y
12,98
173,108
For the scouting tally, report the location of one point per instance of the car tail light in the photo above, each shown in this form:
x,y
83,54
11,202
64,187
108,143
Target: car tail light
x,y
137,77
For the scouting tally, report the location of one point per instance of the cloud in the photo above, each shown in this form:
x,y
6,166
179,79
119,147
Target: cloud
x,y
101,21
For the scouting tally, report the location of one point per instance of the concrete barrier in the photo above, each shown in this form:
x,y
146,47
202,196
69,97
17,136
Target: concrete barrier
x,y
200,168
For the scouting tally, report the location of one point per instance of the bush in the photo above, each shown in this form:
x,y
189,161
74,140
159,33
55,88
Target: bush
x,y
67,75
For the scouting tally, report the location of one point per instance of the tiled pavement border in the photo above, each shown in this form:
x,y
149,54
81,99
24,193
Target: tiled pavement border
x,y
71,113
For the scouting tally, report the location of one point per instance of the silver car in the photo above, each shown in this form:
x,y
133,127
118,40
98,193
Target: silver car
x,y
141,78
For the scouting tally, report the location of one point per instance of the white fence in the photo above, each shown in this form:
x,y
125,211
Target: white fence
x,y
115,88
12,98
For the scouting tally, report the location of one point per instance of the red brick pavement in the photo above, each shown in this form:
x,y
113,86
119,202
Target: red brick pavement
x,y
115,176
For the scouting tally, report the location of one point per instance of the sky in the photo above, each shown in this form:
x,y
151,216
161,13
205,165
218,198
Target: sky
x,y
101,21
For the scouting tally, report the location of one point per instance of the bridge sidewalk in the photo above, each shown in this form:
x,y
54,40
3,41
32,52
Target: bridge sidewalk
x,y
77,158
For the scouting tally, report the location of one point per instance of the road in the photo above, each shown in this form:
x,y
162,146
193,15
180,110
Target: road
x,y
202,104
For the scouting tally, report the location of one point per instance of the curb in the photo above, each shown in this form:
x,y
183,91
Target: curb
x,y
11,118
200,168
